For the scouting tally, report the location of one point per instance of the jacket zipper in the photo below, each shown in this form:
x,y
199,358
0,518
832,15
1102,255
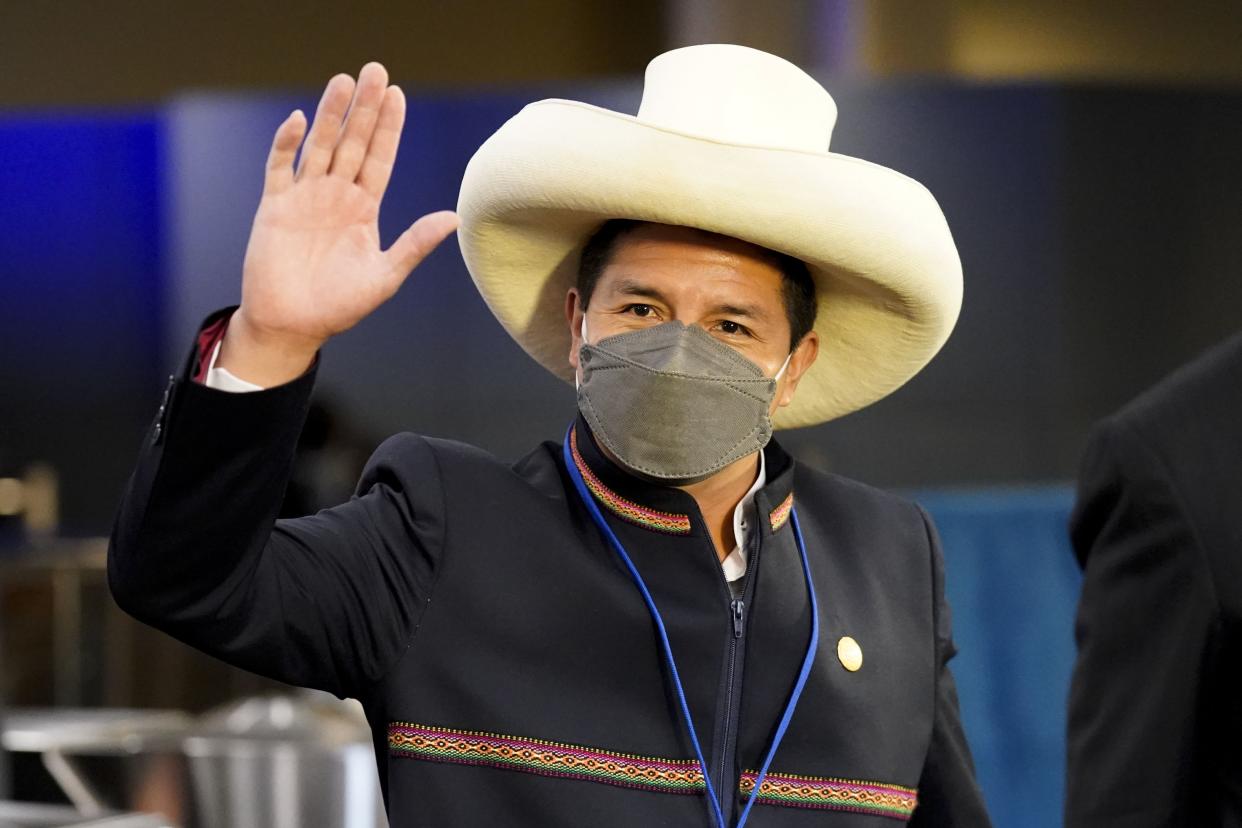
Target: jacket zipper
x,y
724,782
724,786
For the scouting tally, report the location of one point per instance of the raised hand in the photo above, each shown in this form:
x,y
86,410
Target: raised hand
x,y
313,265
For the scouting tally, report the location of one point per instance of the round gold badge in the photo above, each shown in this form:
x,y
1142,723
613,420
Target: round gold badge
x,y
850,654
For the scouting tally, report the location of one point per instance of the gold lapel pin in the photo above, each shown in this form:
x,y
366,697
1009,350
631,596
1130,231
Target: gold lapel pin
x,y
849,653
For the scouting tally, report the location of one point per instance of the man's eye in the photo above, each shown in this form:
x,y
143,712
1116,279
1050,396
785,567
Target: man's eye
x,y
640,310
730,327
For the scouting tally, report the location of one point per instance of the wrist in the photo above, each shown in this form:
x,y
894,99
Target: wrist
x,y
264,357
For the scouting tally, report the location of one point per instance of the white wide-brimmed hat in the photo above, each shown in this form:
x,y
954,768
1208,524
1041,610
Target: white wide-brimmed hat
x,y
735,141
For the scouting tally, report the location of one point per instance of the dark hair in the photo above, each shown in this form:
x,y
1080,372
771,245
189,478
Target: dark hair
x,y
797,286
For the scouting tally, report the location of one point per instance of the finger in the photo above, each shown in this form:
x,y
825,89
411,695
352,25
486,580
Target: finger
x,y
351,149
382,154
279,173
317,152
420,239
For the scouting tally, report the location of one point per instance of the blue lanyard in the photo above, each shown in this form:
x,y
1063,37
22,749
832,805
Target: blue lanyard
x,y
667,648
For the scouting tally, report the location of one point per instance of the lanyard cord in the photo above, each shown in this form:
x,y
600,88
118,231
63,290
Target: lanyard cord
x,y
666,647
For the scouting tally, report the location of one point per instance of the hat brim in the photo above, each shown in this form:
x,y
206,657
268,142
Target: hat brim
x,y
887,274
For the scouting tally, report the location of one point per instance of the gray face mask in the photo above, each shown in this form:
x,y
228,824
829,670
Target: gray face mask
x,y
672,402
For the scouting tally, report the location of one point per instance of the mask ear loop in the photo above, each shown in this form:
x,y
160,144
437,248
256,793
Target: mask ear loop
x,y
778,373
577,382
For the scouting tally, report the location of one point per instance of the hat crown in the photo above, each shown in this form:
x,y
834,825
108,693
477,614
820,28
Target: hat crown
x,y
737,95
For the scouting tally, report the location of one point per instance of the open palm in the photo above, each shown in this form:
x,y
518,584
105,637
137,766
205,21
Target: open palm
x,y
314,266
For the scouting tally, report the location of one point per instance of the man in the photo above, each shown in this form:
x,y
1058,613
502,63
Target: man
x,y
645,623
1155,718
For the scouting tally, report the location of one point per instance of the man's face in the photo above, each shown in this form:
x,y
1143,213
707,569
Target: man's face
x,y
659,273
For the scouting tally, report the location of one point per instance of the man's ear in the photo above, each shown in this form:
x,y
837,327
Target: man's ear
x,y
802,359
573,318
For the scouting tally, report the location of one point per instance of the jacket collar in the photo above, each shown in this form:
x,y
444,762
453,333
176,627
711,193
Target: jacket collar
x,y
667,509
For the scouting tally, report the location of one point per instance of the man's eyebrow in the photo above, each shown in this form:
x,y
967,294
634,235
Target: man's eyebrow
x,y
748,311
633,287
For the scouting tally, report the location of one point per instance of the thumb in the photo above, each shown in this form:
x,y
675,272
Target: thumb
x,y
419,240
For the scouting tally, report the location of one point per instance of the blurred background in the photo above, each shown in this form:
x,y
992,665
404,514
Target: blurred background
x,y
1085,154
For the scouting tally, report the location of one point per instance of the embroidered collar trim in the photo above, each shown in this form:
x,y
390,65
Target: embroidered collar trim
x,y
779,516
670,523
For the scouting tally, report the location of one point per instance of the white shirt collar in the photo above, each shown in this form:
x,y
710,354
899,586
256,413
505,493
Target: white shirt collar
x,y
734,565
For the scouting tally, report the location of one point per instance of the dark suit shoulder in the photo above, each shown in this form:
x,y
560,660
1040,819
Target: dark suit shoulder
x,y
879,527
1176,444
467,470
860,498
406,448
398,461
1206,391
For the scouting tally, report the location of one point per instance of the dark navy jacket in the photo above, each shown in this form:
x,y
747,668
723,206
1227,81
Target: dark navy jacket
x,y
506,661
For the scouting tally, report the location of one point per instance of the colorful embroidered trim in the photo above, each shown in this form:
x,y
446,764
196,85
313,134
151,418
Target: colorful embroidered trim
x,y
833,794
780,514
667,522
467,747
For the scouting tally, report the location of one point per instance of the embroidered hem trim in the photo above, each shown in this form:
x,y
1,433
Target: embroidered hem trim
x,y
780,515
651,773
832,794
669,523
545,758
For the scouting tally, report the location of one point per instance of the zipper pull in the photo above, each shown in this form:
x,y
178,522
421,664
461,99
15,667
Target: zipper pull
x,y
739,613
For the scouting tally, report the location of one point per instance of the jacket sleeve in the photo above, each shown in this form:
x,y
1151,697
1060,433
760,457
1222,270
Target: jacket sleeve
x,y
949,794
1146,621
327,601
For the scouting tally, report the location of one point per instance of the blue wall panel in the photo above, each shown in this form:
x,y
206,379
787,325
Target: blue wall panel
x,y
1012,585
